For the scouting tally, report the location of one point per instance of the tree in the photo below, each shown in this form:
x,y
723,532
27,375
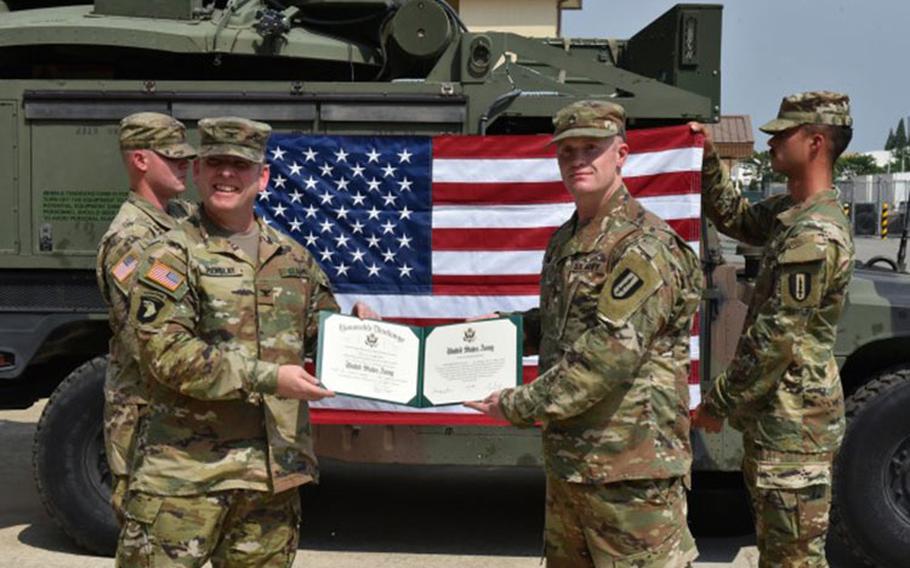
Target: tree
x,y
762,161
899,149
900,135
850,165
889,143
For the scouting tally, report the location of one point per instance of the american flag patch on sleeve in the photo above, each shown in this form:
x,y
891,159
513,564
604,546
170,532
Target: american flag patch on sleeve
x,y
125,267
164,275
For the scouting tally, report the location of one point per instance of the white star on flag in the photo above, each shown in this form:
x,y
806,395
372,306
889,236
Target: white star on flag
x,y
278,153
279,181
309,155
295,169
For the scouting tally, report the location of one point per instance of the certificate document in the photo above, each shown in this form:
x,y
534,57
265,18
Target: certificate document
x,y
418,366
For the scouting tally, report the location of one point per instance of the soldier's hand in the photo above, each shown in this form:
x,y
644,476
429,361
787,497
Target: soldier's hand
x,y
493,315
363,311
697,128
489,406
705,421
295,382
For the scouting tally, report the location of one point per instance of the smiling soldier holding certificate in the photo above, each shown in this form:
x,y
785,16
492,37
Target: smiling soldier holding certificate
x,y
619,290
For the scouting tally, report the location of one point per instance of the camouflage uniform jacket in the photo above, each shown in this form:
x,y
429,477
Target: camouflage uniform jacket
x,y
214,328
617,300
121,247
783,388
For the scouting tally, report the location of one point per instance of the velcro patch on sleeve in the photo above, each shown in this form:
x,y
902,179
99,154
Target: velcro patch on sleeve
x,y
162,274
630,283
125,266
149,307
800,285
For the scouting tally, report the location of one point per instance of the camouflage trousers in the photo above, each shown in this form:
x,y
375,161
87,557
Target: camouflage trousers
x,y
629,524
791,497
231,528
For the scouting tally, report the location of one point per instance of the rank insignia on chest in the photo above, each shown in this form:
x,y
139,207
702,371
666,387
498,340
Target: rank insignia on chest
x,y
149,308
627,284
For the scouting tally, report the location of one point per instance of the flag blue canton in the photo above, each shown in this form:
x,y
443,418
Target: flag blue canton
x,y
360,204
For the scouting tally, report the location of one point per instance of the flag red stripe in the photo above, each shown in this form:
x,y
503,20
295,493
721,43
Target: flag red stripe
x,y
492,147
523,146
673,183
499,193
492,239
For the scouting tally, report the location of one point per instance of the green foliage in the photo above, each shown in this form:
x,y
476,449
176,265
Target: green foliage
x,y
889,143
900,135
850,165
762,161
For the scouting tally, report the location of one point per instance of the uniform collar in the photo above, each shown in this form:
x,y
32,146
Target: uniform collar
x,y
159,217
268,242
619,207
790,216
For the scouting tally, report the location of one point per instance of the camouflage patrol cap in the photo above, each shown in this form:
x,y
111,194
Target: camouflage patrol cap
x,y
233,136
812,107
589,119
154,131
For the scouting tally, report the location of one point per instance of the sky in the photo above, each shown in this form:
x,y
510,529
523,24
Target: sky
x,y
771,48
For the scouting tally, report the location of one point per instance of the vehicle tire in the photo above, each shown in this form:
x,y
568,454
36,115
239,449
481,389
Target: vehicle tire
x,y
69,461
871,506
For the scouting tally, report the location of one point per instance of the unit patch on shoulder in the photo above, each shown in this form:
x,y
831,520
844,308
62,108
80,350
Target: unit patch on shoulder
x,y
125,266
164,275
800,286
149,307
626,285
629,284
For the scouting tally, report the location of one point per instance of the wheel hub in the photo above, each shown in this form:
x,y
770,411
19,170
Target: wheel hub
x,y
897,480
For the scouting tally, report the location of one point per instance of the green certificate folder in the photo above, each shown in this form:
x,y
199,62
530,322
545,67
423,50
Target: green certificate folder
x,y
418,366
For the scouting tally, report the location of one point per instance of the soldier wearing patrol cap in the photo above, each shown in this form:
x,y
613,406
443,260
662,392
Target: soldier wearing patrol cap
x,y
225,308
782,389
157,157
618,293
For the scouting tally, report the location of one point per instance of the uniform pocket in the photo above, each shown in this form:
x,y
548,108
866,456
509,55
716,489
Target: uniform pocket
x,y
790,476
143,508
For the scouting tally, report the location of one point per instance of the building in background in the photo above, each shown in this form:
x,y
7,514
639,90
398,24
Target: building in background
x,y
735,145
534,18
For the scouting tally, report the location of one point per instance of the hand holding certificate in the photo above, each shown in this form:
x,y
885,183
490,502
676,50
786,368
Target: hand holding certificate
x,y
418,366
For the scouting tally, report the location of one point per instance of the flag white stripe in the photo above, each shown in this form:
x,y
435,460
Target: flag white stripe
x,y
663,162
414,306
501,216
694,396
492,263
487,263
409,306
543,170
439,306
668,207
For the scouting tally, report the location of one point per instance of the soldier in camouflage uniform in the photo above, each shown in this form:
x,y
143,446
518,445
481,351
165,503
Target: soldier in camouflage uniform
x,y
619,290
157,159
782,389
226,308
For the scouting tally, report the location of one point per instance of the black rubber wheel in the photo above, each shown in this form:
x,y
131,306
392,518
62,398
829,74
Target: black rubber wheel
x,y
892,264
69,461
871,509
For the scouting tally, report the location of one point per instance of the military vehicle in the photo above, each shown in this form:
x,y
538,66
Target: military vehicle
x,y
69,73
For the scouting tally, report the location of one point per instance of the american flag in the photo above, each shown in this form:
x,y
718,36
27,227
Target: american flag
x,y
431,230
